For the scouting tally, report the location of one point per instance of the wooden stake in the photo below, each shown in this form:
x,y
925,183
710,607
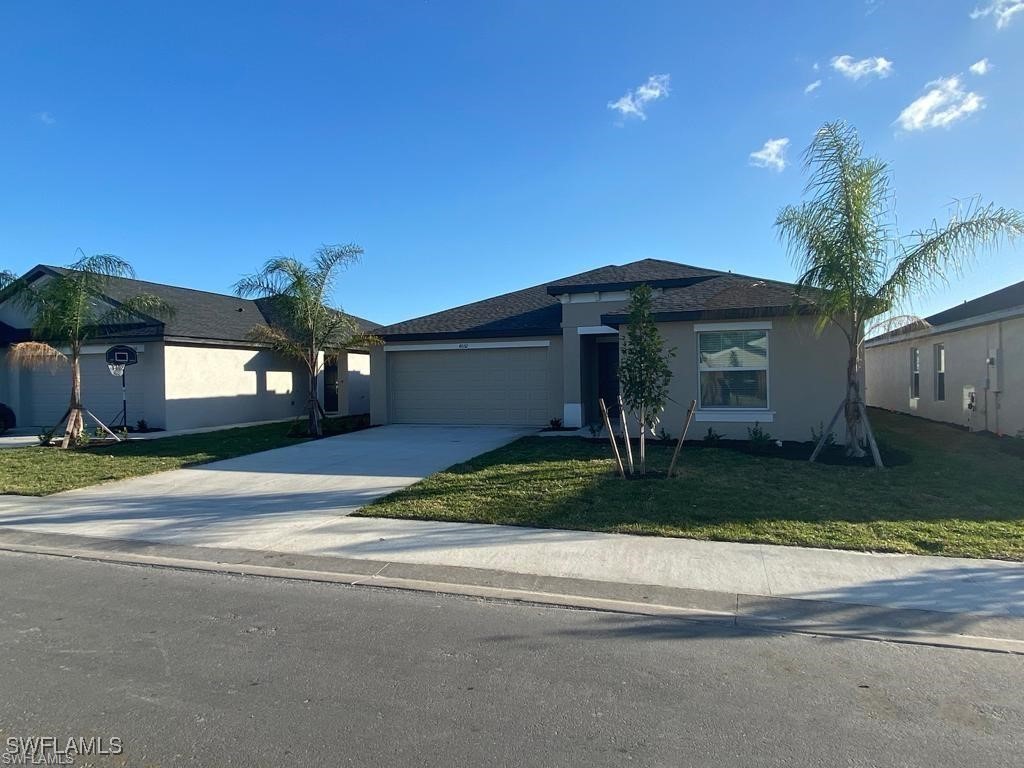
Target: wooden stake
x,y
686,427
101,425
827,431
611,436
73,415
875,454
625,434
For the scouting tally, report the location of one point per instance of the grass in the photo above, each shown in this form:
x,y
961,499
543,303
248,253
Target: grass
x,y
40,471
947,492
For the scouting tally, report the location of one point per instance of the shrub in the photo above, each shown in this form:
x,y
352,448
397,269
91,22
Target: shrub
x,y
712,437
556,423
816,434
760,440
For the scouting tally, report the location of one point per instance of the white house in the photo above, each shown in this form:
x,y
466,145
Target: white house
x,y
197,368
966,367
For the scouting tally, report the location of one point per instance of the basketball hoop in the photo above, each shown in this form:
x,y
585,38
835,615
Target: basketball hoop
x,y
118,358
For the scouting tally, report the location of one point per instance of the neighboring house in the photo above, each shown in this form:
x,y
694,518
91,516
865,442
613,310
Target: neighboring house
x,y
550,351
966,367
197,368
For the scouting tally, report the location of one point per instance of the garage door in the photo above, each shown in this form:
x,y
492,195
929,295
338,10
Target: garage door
x,y
469,386
49,393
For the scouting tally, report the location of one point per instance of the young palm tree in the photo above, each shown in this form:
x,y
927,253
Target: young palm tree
x,y
71,308
303,325
854,264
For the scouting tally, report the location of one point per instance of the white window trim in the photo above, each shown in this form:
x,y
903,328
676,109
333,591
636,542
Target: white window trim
x,y
750,415
468,345
741,412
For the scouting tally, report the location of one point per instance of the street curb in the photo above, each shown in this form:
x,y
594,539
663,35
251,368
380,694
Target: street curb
x,y
750,612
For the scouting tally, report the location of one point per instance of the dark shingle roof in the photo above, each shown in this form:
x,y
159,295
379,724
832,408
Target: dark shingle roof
x,y
723,296
1005,298
529,312
654,272
198,315
536,310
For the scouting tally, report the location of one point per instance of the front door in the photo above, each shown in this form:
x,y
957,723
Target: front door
x,y
331,387
608,375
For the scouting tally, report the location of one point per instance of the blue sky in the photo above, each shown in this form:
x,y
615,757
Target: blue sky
x,y
472,147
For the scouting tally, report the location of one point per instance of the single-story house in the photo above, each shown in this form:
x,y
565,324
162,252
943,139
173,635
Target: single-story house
x,y
964,366
745,350
197,368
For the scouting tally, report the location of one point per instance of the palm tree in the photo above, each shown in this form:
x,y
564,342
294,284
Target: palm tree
x,y
854,264
70,308
303,325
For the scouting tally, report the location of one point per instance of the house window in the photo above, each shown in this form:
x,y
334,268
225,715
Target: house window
x,y
940,371
733,368
915,372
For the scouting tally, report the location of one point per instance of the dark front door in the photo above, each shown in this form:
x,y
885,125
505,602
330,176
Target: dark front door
x,y
608,375
331,387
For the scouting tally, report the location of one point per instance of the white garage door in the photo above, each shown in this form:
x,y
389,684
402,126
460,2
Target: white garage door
x,y
469,386
49,393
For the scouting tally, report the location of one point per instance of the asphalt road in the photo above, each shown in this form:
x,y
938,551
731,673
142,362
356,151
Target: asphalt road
x,y
206,669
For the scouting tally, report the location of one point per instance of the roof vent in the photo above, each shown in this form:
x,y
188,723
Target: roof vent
x,y
240,309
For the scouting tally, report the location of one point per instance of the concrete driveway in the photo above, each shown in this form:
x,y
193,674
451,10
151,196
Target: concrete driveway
x,y
263,499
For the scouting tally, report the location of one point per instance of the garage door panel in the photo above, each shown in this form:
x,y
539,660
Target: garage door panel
x,y
474,386
48,394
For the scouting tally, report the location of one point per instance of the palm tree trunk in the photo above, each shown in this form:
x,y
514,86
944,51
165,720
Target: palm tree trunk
x,y
314,407
75,423
855,437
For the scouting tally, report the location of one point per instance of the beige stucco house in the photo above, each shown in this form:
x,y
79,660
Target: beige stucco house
x,y
551,350
197,368
966,366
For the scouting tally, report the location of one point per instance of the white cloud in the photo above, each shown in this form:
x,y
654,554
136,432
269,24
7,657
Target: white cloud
x,y
771,155
1003,10
944,103
45,118
812,87
981,67
855,69
634,102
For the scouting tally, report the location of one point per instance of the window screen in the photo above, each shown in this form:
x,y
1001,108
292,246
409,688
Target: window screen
x,y
733,369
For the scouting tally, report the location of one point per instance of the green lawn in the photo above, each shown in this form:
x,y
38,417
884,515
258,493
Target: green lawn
x,y
947,492
40,471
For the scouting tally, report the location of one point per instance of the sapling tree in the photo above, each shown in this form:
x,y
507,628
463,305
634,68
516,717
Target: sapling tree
x,y
644,372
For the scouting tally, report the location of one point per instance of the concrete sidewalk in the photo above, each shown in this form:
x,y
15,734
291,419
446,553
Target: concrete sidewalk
x,y
314,523
296,500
